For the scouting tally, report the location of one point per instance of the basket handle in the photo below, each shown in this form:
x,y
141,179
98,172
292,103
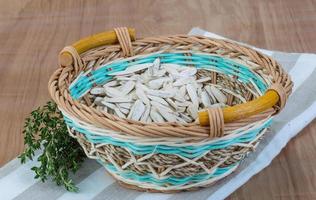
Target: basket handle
x,y
85,44
270,99
240,111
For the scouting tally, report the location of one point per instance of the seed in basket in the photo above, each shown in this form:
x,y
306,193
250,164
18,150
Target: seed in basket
x,y
186,118
125,105
154,68
205,99
137,110
145,116
118,99
183,81
119,113
142,96
181,109
218,95
188,72
203,80
160,106
171,70
183,103
155,116
112,92
97,91
125,78
209,92
161,93
193,110
160,73
193,95
158,99
97,101
123,110
111,84
179,97
109,105
132,69
158,83
167,115
127,87
172,103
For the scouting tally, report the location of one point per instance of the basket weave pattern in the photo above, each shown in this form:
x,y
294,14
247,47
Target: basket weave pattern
x,y
168,156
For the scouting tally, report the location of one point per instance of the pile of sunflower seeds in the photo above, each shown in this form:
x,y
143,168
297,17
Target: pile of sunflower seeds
x,y
155,92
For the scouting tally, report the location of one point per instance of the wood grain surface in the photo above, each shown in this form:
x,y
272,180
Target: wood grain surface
x,y
32,32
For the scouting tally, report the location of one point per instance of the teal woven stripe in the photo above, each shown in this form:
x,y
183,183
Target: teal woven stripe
x,y
171,180
223,65
185,151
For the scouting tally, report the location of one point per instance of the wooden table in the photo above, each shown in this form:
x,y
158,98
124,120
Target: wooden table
x,y
32,32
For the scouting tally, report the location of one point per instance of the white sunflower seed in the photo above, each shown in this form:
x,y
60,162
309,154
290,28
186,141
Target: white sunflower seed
x,y
145,116
161,93
142,96
111,84
205,99
160,106
202,80
127,87
183,81
107,104
137,110
158,99
119,113
186,118
193,111
209,91
160,73
132,69
97,91
218,95
189,71
193,95
172,103
98,100
125,105
118,99
123,110
158,83
112,92
167,115
155,116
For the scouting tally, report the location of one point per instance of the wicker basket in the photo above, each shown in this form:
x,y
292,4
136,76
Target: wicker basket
x,y
169,157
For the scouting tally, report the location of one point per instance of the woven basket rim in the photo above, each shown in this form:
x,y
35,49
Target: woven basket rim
x,y
58,88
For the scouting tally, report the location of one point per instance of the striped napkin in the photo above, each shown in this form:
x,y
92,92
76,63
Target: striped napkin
x,y
17,182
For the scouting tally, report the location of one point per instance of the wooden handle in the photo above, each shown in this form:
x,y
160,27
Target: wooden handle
x,y
85,44
256,106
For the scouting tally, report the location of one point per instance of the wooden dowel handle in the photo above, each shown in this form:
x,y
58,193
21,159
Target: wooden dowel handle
x,y
85,44
240,111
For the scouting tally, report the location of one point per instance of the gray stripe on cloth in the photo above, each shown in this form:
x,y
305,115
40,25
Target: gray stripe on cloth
x,y
9,167
49,190
15,164
117,192
287,60
298,102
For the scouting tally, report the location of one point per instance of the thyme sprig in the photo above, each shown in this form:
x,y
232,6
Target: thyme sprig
x,y
60,154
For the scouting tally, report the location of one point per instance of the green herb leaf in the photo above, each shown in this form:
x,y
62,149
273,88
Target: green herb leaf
x,y
61,154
